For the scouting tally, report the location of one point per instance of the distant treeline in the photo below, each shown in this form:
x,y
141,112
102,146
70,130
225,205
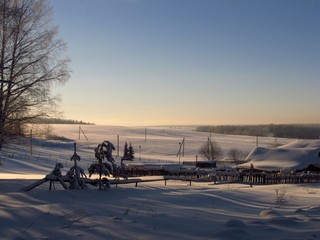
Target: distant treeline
x,y
303,131
63,121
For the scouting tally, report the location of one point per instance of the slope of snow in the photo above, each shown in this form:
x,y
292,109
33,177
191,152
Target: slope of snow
x,y
161,144
155,211
302,143
152,210
293,156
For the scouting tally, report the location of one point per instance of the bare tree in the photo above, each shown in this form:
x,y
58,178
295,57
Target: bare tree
x,y
31,61
211,151
236,155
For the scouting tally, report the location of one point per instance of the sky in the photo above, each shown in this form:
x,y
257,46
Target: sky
x,y
190,62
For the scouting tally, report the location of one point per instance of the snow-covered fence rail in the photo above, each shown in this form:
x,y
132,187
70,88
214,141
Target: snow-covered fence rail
x,y
41,157
48,160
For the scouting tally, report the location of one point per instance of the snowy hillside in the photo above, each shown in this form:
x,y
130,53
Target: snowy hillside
x,y
293,156
158,144
152,210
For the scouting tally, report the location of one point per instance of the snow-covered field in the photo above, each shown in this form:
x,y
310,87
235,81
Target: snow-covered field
x,y
152,210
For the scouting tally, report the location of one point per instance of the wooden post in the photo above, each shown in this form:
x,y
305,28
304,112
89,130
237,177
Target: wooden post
x,y
118,142
31,142
251,174
179,152
183,147
145,134
82,133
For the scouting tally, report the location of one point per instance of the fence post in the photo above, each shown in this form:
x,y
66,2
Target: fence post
x,y
31,142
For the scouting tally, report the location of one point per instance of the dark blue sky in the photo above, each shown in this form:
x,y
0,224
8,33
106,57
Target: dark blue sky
x,y
191,61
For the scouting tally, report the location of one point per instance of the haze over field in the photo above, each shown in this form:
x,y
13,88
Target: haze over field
x,y
147,62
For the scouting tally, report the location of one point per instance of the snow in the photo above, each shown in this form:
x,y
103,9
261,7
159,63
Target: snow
x,y
152,210
293,156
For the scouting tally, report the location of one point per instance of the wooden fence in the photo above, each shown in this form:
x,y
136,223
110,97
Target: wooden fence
x,y
267,179
251,178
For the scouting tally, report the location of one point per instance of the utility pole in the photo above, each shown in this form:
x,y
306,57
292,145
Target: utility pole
x,y
80,129
31,141
118,142
183,147
179,152
145,134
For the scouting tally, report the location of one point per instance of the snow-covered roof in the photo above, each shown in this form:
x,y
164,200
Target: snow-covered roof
x,y
294,156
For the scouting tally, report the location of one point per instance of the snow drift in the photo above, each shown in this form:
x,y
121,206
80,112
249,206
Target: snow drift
x,y
152,210
297,155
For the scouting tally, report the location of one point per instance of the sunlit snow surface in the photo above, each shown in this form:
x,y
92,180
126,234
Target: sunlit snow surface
x,y
152,210
293,156
157,144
